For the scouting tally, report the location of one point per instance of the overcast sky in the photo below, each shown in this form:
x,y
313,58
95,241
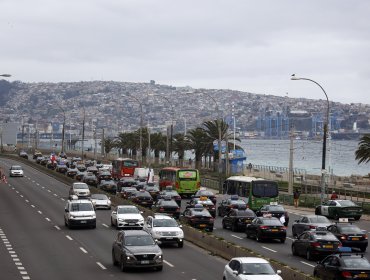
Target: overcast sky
x,y
251,46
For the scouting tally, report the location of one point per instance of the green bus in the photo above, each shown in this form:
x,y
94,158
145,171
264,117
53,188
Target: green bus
x,y
185,181
256,191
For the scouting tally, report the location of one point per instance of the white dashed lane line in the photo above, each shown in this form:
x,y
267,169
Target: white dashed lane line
x,y
102,266
290,238
39,212
68,237
269,249
58,228
104,225
83,250
307,264
33,206
237,236
47,219
169,264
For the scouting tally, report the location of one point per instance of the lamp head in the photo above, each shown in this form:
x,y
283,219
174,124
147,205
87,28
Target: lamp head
x,y
5,75
294,78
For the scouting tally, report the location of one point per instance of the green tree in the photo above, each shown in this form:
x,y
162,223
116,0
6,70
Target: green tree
x,y
109,144
180,145
363,151
198,140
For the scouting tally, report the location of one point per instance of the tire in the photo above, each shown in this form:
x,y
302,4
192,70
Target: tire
x,y
363,249
223,225
65,222
357,218
122,265
258,238
219,213
294,233
93,226
282,240
234,227
317,211
294,251
180,244
115,263
308,255
210,229
111,222
248,236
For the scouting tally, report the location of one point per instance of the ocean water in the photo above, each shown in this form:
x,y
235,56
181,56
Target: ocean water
x,y
340,156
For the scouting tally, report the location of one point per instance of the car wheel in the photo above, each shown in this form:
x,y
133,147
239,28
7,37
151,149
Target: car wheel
x,y
111,222
293,232
223,225
115,263
294,251
210,229
65,222
363,249
308,255
258,238
219,213
234,227
93,226
357,218
122,265
180,244
248,236
317,211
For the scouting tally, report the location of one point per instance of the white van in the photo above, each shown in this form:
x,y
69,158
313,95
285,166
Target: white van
x,y
141,173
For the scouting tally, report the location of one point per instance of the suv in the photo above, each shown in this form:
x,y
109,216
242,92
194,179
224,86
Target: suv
x,y
16,170
127,216
79,212
80,189
165,229
136,248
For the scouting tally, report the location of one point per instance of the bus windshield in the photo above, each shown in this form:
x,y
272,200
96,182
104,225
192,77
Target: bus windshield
x,y
265,189
128,163
187,175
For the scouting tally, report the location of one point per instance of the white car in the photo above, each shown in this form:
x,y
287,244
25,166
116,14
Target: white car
x,y
80,189
248,268
164,229
101,201
16,171
127,217
79,213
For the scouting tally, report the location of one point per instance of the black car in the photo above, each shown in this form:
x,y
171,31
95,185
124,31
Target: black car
x,y
238,219
276,211
263,228
108,186
198,217
350,235
309,222
61,168
314,244
152,189
127,192
142,198
81,167
205,201
171,193
90,179
233,202
79,176
343,266
136,248
167,206
125,182
105,175
208,194
51,165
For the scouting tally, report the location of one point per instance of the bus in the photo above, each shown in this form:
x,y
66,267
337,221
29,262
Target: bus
x,y
256,191
123,167
185,181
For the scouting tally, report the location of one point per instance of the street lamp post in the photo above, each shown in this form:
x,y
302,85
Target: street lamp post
x,y
83,134
323,170
64,124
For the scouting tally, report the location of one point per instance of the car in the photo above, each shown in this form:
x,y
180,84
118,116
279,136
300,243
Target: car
x,y
342,266
127,192
264,228
350,235
51,165
71,172
79,213
152,189
23,154
339,209
172,193
140,185
231,203
81,190
168,206
108,186
90,179
136,249
44,160
92,169
39,159
101,201
198,217
275,210
63,155
127,217
238,219
204,192
37,154
61,168
125,182
81,167
241,268
309,222
205,201
104,175
142,198
16,171
79,175
164,229
315,243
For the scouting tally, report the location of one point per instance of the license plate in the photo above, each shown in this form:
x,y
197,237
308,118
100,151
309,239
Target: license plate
x,y
169,238
131,224
202,225
355,238
144,202
328,246
362,275
144,262
83,222
274,230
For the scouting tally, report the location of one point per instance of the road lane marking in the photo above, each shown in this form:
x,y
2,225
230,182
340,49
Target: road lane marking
x,y
21,195
83,250
236,236
39,212
269,249
290,238
43,187
49,190
33,206
58,228
169,264
17,191
307,264
47,219
62,199
27,200
38,184
55,194
26,277
105,225
102,266
70,238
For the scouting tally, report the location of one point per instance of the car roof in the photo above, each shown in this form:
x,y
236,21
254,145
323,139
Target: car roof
x,y
79,201
134,232
126,206
250,260
161,216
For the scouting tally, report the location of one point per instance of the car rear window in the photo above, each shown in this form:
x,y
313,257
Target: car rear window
x,y
350,229
272,222
82,207
319,219
356,262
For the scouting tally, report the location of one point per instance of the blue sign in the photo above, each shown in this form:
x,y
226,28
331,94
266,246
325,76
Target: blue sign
x,y
223,146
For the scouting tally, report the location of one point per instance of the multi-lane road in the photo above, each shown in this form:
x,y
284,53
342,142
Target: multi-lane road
x,y
37,245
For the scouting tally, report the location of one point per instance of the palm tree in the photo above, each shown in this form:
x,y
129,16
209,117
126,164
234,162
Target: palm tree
x,y
363,151
180,145
157,144
121,142
198,140
109,144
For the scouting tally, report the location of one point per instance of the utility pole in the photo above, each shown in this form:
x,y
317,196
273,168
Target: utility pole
x,y
83,135
291,152
102,144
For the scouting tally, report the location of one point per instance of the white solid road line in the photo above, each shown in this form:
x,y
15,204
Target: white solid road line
x,y
237,236
307,264
269,249
102,266
83,250
290,238
169,264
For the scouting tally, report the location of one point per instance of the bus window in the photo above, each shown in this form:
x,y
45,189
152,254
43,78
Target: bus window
x,y
265,189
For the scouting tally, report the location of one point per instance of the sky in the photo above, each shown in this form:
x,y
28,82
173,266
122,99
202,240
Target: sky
x,y
251,46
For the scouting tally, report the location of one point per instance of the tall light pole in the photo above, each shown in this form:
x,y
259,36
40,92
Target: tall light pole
x,y
83,134
64,124
323,170
141,126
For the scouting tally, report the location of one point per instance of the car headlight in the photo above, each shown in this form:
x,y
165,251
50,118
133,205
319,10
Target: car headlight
x,y
121,220
93,216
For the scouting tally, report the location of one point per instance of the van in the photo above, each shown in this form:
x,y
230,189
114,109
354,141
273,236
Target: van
x,y
141,173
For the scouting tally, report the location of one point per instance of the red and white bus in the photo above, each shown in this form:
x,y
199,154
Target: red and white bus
x,y
123,167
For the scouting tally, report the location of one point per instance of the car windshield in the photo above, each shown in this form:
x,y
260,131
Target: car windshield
x,y
164,223
141,240
356,262
81,186
99,196
272,222
237,202
16,168
257,269
276,208
346,203
205,193
128,210
169,203
319,220
82,207
245,213
350,229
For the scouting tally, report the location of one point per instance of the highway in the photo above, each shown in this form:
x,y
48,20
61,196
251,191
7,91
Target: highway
x,y
37,245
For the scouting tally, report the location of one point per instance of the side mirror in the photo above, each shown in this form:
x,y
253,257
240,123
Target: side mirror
x,y
114,212
66,210
235,272
149,226
296,221
278,272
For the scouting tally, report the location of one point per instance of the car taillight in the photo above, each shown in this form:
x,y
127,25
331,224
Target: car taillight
x,y
365,236
346,274
315,244
343,237
264,227
312,227
161,209
213,208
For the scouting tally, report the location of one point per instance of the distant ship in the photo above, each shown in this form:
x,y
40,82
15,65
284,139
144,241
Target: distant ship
x,y
345,135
